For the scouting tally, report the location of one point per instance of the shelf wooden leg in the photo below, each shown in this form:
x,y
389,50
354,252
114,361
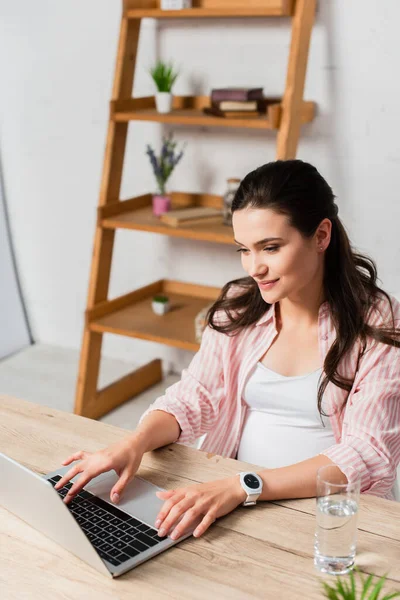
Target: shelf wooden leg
x,y
88,372
86,393
289,128
125,388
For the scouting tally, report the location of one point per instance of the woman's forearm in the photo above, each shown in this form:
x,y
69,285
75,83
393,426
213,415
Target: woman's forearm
x,y
157,429
295,481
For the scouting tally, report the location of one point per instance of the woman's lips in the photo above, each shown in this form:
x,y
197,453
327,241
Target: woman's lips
x,y
267,286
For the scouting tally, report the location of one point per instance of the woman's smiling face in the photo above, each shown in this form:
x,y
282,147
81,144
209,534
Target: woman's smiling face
x,y
277,256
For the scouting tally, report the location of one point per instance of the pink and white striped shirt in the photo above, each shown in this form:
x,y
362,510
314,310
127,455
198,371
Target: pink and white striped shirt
x,y
208,398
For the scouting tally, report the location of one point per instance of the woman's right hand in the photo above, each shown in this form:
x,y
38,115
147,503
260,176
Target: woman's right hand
x,y
124,457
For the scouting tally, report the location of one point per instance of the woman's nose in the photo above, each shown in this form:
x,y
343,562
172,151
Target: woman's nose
x,y
257,268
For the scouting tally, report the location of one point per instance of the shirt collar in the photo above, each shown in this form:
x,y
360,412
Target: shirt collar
x,y
269,314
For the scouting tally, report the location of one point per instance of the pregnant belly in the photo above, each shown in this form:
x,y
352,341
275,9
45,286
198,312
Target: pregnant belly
x,y
273,444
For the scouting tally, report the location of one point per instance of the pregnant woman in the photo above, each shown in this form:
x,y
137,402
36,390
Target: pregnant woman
x,y
299,366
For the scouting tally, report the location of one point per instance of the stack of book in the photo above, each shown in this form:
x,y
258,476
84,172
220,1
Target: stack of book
x,y
197,215
237,102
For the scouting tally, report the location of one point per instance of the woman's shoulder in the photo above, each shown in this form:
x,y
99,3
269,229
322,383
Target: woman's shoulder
x,y
384,307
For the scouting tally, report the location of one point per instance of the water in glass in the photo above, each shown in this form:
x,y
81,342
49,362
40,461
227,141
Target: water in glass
x,y
336,534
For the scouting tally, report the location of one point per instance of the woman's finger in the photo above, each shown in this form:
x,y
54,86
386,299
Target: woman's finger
x,y
165,494
77,456
176,511
166,507
191,518
208,520
69,475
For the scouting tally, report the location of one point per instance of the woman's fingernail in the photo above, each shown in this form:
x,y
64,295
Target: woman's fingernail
x,y
157,523
115,497
162,532
173,536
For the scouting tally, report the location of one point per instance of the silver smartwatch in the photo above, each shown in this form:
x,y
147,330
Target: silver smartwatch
x,y
252,485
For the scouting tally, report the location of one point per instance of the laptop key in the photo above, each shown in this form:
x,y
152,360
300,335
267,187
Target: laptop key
x,y
118,533
134,522
110,528
127,538
152,532
114,552
108,517
103,535
96,542
100,511
95,519
95,530
113,561
137,546
146,539
123,557
79,519
132,531
119,545
124,526
111,539
55,478
86,495
106,547
142,527
84,503
116,521
130,551
87,514
90,536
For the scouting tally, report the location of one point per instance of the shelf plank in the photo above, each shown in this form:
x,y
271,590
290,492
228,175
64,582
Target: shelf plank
x,y
211,9
137,214
188,110
133,316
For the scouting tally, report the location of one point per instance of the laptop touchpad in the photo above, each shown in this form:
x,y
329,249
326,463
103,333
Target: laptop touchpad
x,y
139,497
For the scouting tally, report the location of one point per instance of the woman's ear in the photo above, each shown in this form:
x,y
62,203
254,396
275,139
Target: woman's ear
x,y
323,235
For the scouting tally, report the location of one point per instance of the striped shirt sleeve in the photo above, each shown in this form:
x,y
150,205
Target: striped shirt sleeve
x,y
194,400
371,428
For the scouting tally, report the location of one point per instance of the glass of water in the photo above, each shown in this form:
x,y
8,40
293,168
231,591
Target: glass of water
x,y
336,528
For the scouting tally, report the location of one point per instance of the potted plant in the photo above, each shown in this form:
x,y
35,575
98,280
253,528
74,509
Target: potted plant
x,y
160,304
163,166
343,590
164,77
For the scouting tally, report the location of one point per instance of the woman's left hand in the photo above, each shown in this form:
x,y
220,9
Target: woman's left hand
x,y
208,500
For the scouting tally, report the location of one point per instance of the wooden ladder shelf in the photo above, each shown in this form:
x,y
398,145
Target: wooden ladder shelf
x,y
131,314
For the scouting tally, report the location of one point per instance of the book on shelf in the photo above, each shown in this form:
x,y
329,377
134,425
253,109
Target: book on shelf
x,y
235,105
231,114
237,94
196,215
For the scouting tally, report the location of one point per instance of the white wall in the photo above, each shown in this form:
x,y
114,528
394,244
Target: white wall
x,y
56,64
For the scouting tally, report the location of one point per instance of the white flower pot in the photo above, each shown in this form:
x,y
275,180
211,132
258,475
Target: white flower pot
x,y
163,102
160,308
175,4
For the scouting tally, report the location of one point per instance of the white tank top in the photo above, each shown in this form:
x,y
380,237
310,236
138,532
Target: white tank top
x,y
282,425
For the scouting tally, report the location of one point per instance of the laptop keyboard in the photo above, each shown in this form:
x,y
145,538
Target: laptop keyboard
x,y
115,535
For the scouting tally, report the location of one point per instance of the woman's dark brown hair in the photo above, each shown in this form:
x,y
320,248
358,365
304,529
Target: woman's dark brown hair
x,y
296,189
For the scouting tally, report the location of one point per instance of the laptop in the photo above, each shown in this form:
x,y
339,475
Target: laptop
x,y
111,539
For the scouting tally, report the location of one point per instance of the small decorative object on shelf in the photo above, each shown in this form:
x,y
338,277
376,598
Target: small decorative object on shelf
x,y
200,323
164,76
160,304
239,103
233,184
175,4
163,166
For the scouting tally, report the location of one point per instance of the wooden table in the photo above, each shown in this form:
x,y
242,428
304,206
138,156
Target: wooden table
x,y
258,552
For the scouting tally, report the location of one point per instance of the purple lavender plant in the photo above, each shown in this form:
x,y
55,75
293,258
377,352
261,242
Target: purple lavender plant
x,y
164,164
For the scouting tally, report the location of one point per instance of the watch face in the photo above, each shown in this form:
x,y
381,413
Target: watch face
x,y
251,481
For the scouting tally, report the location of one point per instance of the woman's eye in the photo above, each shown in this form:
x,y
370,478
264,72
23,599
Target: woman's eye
x,y
241,250
271,248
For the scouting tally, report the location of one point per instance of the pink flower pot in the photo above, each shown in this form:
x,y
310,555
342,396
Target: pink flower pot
x,y
161,204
